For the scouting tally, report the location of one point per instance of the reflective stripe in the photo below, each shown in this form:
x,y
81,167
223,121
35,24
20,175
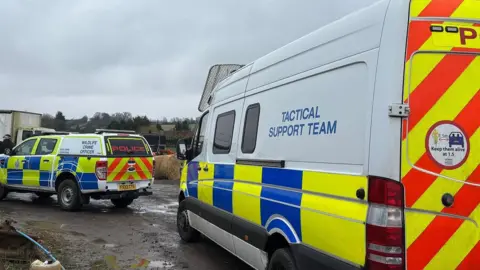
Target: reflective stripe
x,y
306,202
139,168
443,84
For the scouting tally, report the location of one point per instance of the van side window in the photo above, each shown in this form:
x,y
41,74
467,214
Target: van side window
x,y
250,129
222,141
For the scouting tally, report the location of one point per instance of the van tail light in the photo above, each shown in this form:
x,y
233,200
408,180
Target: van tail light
x,y
101,169
385,232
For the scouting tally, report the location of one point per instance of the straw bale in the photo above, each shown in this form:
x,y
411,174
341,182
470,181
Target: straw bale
x,y
167,167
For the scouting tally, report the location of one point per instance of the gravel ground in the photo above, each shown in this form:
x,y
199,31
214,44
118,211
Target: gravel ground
x,y
102,237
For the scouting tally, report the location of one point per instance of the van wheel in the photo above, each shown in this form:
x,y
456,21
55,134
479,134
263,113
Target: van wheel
x,y
121,203
186,232
282,259
69,195
3,192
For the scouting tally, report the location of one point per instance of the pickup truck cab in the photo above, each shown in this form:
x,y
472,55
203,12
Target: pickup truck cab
x,y
77,167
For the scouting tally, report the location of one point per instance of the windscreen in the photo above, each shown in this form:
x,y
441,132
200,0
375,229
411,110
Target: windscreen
x,y
27,134
151,139
127,146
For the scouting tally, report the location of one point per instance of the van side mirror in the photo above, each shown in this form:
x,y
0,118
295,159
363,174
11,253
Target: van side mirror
x,y
181,150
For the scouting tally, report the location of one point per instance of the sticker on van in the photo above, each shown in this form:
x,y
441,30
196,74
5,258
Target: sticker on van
x,y
81,146
447,145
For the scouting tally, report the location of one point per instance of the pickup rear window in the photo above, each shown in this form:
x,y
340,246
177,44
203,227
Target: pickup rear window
x,y
127,146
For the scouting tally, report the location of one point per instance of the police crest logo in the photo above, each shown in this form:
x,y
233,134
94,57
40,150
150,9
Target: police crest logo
x,y
17,164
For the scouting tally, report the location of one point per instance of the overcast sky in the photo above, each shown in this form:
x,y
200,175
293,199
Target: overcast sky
x,y
148,57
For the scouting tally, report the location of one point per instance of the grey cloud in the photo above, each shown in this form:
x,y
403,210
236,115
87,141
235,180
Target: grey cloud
x,y
147,57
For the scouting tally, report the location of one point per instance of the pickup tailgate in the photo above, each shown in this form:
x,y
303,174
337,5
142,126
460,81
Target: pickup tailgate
x,y
129,159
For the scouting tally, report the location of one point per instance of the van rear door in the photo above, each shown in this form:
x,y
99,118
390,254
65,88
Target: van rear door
x,y
441,139
129,158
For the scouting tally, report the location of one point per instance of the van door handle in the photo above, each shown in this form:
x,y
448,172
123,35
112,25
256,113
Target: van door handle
x,y
46,161
24,161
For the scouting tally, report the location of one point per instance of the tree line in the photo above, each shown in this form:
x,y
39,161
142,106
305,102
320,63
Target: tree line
x,y
120,120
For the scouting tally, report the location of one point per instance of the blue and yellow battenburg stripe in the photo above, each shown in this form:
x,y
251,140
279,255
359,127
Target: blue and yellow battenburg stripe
x,y
83,168
34,172
308,207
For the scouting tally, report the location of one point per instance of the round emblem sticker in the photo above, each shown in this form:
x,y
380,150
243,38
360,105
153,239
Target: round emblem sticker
x,y
447,145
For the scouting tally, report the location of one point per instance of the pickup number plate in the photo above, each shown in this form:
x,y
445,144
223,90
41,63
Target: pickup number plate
x,y
123,187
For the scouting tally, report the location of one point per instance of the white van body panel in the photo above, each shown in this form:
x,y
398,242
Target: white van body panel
x,y
385,138
305,145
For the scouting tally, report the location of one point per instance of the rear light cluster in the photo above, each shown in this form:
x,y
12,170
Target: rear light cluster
x,y
101,169
385,231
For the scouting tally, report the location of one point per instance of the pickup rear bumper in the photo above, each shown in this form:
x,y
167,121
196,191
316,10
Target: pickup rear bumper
x,y
108,195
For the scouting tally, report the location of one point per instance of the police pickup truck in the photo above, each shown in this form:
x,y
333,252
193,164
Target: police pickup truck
x,y
108,164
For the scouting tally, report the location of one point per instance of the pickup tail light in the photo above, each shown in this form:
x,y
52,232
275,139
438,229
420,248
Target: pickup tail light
x,y
153,168
101,169
385,231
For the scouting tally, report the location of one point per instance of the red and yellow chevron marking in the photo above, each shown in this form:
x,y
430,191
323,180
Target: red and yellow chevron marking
x,y
441,86
118,169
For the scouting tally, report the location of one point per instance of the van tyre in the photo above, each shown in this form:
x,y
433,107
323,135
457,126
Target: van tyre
x,y
122,203
282,259
3,192
187,233
69,197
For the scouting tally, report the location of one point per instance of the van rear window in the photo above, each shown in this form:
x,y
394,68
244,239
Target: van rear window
x,y
125,146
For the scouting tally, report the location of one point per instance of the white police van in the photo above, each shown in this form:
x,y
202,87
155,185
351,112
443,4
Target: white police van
x,y
354,147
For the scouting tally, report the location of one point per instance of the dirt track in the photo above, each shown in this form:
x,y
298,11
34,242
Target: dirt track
x,y
99,235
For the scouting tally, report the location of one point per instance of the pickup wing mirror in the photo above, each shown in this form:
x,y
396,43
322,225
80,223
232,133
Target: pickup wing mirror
x,y
9,152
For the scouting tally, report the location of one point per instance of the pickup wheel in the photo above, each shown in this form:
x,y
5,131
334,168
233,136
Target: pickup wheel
x,y
3,192
122,203
69,197
186,232
282,259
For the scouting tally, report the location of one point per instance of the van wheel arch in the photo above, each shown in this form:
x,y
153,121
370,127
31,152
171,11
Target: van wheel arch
x,y
181,197
274,242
